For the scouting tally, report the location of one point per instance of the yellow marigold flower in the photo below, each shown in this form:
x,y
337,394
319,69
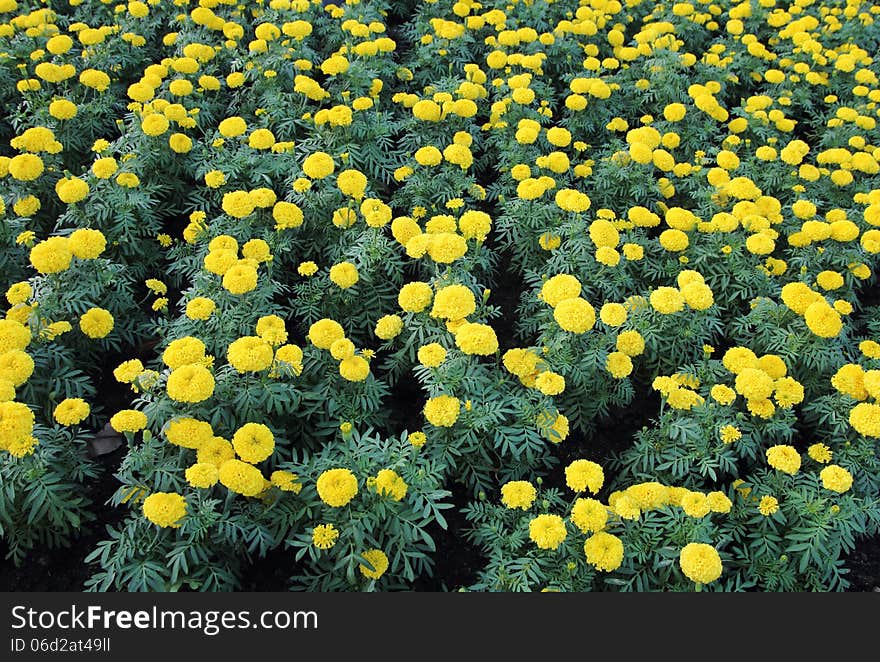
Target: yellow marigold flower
x,y
190,383
667,300
238,204
768,505
352,183
324,536
729,434
287,215
183,351
188,432
820,453
241,478
695,504
850,380
626,507
700,563
619,365
52,255
737,359
604,551
71,411
869,348
13,335
389,327
389,483
415,297
325,332
127,371
18,293
475,225
271,328
698,296
550,383
613,314
722,394
250,354
453,302
417,439
319,165
559,288
589,515
87,244
342,349
432,355
216,451
307,269
788,392
518,494
583,475
354,368
128,420
442,411
648,495
784,458
575,315
96,323
630,343
253,442
165,509
344,275
286,481
476,339
836,478
232,127
379,562
202,475
337,487
823,320
547,531
240,279
718,502
754,384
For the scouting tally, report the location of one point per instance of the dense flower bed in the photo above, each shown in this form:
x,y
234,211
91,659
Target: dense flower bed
x,y
352,263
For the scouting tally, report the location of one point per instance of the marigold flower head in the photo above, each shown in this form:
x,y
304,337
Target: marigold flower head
x,y
784,458
442,411
324,536
165,509
325,332
547,531
453,302
190,383
583,475
379,562
71,411
337,487
241,478
820,453
700,563
202,475
604,551
518,494
768,505
286,481
128,420
836,478
575,315
253,442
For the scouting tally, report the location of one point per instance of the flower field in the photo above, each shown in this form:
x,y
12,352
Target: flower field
x,y
584,290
